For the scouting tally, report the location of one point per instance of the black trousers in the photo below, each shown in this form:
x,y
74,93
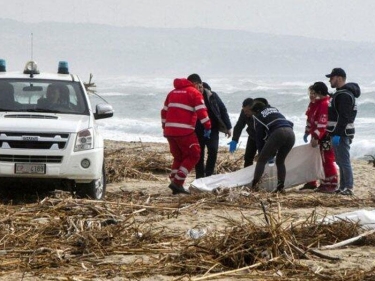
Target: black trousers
x,y
250,151
212,145
279,144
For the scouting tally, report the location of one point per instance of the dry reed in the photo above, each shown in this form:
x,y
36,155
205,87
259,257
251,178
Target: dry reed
x,y
127,236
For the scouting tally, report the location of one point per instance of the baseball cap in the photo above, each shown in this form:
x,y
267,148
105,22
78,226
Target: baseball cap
x,y
337,72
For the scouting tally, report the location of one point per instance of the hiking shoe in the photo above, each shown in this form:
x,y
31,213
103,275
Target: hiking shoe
x,y
307,186
279,189
347,191
325,189
176,189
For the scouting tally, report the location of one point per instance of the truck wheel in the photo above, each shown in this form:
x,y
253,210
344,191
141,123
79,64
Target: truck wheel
x,y
94,190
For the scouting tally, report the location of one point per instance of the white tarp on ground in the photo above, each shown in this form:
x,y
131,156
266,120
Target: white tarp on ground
x,y
303,164
363,217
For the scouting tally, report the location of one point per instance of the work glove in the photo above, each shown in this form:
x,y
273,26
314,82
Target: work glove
x,y
232,146
207,133
305,138
335,140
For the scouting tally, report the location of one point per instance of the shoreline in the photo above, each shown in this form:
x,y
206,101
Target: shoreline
x,y
223,145
363,171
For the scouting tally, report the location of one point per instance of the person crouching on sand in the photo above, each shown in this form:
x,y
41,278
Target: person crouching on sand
x,y
274,137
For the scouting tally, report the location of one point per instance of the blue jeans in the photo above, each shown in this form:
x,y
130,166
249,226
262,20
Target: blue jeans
x,y
342,155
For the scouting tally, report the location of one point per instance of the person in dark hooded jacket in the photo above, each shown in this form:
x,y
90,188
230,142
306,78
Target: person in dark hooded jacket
x,y
274,137
245,119
220,122
342,111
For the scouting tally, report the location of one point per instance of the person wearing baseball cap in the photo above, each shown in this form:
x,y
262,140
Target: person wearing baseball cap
x,y
337,72
342,111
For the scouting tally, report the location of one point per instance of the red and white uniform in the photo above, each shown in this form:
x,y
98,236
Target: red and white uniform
x,y
317,117
182,107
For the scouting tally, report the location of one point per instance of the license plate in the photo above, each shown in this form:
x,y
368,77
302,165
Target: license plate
x,y
29,168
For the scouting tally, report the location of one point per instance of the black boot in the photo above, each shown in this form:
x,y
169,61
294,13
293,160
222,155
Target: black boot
x,y
280,187
176,189
255,185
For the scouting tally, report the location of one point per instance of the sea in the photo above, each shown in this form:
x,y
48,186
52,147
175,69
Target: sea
x,y
137,101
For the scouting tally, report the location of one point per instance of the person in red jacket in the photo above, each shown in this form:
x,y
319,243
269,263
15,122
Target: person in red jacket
x,y
182,107
311,108
317,117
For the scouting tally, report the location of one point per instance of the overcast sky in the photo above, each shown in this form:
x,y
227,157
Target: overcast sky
x,y
327,19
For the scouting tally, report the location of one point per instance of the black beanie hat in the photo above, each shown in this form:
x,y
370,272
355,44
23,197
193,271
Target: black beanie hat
x,y
248,101
194,78
258,106
206,86
320,88
262,100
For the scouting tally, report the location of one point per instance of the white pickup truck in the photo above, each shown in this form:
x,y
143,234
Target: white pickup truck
x,y
48,132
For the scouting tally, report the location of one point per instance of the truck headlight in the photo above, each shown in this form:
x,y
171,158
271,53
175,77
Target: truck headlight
x,y
85,140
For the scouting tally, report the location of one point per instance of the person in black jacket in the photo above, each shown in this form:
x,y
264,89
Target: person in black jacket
x,y
342,111
244,119
274,137
220,122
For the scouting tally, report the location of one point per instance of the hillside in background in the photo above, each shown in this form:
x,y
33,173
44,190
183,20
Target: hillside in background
x,y
108,50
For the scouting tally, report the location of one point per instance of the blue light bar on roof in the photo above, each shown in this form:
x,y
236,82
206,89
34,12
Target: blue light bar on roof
x,y
2,65
63,67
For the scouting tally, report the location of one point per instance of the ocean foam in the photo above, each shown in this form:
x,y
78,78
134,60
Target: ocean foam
x,y
138,100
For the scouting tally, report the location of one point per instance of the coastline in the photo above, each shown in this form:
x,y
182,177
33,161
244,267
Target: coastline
x,y
363,170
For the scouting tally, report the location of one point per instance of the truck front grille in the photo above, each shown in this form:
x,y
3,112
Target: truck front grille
x,y
30,159
52,141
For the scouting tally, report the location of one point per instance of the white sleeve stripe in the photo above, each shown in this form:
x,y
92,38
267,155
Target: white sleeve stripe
x,y
199,107
180,105
205,120
179,125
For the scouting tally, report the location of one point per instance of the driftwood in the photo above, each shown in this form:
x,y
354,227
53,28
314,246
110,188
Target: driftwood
x,y
348,241
206,277
133,235
90,86
44,237
314,252
372,160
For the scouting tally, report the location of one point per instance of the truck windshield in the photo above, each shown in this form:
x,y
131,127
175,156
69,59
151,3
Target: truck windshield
x,y
23,95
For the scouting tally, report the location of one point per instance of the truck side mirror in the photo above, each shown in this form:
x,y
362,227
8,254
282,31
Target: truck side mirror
x,y
103,110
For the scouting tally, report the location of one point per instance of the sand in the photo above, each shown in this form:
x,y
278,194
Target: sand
x,y
211,219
